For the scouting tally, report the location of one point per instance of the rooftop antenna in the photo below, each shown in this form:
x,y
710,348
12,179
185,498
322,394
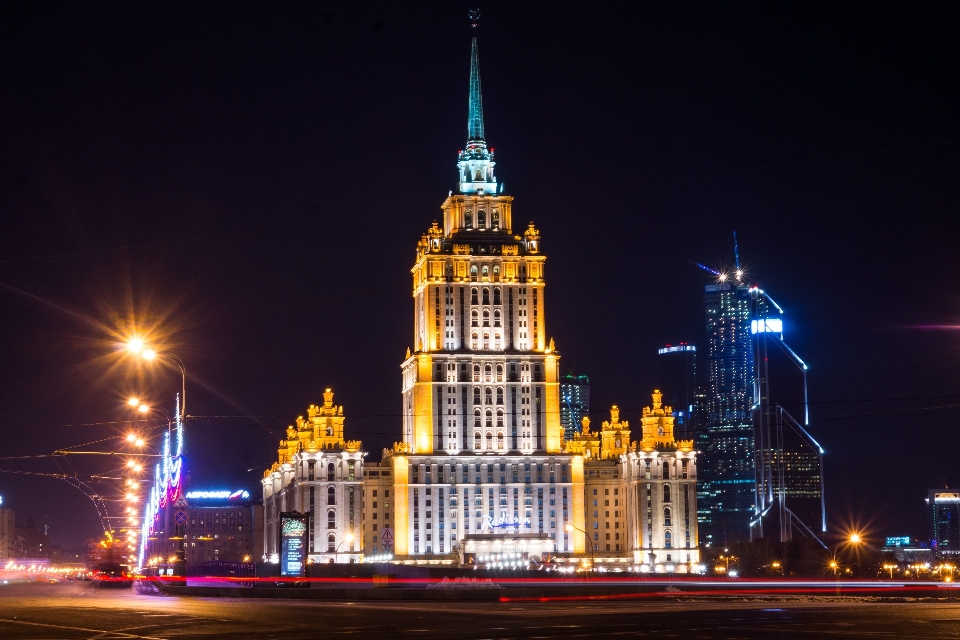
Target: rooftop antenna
x,y
706,268
736,250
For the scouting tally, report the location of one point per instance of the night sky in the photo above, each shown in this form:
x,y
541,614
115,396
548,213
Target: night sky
x,y
248,182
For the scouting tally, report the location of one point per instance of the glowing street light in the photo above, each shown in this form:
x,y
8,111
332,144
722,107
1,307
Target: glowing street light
x,y
855,538
133,401
138,347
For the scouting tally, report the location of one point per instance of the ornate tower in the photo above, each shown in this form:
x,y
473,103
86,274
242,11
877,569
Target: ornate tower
x,y
482,376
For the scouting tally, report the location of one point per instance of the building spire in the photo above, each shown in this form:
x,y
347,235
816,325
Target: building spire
x,y
475,119
476,162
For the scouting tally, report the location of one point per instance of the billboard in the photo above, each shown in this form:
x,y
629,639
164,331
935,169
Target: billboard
x,y
294,530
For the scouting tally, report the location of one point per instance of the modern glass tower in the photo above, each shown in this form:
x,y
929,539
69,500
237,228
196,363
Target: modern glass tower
x,y
574,403
762,475
729,486
944,513
790,461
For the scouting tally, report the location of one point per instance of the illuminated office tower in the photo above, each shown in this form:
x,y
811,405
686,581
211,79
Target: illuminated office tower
x,y
574,403
728,487
762,475
944,505
481,451
789,461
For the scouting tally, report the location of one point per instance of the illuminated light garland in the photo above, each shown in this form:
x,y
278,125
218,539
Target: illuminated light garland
x,y
167,487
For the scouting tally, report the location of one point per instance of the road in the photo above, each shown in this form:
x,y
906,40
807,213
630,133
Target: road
x,y
80,610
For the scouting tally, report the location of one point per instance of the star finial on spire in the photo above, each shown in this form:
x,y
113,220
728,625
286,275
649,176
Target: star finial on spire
x,y
474,15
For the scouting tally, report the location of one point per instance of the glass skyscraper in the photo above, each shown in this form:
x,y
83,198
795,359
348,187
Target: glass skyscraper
x,y
728,484
790,476
762,474
944,512
574,403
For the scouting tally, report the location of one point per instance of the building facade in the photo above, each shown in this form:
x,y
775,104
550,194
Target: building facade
x,y
640,495
221,526
320,473
9,546
661,474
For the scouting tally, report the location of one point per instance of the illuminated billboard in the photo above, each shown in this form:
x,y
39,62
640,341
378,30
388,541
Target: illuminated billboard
x,y
767,325
218,495
294,529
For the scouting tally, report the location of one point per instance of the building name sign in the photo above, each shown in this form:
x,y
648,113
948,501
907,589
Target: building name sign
x,y
505,522
218,495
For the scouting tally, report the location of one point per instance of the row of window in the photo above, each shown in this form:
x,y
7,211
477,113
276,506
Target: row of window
x,y
481,214
331,470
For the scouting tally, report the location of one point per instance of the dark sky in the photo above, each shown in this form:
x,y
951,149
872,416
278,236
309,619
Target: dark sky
x,y
251,180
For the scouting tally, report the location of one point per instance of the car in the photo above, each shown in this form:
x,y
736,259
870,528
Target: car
x,y
112,575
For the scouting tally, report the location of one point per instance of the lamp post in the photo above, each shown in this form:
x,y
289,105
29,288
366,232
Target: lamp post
x,y
571,528
140,349
852,539
346,538
137,347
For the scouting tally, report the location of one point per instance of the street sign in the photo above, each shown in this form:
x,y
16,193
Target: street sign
x,y
182,502
181,517
387,537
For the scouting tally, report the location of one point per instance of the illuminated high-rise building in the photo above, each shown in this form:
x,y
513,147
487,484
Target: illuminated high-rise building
x,y
762,475
574,403
483,465
481,452
789,460
729,482
944,514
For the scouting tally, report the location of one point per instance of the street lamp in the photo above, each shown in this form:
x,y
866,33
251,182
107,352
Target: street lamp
x,y
137,347
346,538
570,528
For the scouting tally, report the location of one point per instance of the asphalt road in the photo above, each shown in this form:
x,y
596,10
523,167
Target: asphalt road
x,y
79,610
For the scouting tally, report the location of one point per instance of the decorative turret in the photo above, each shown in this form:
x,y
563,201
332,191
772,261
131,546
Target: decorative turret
x,y
476,162
615,435
658,427
322,429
